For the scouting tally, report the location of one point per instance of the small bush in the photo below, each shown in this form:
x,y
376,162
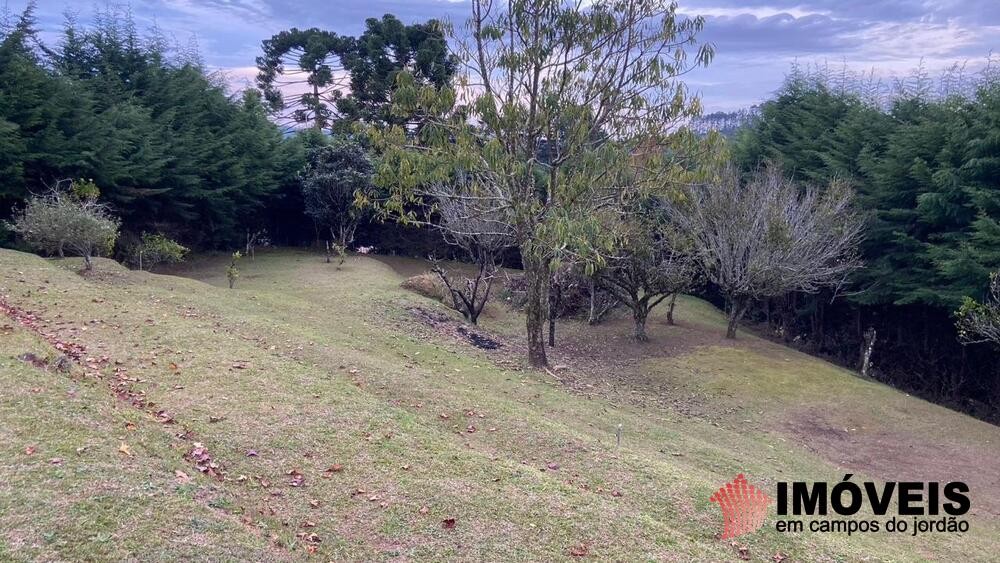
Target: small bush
x,y
151,249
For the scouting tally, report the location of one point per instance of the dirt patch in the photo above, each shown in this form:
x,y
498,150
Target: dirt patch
x,y
478,339
898,456
445,324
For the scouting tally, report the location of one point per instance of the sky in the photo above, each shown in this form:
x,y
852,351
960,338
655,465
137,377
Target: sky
x,y
756,41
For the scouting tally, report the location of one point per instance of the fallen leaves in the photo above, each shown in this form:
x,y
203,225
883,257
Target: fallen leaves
x,y
29,450
297,479
335,468
424,510
448,523
311,540
580,550
181,477
203,461
124,449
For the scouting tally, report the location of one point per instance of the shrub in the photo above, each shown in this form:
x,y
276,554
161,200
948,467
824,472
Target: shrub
x,y
68,220
152,249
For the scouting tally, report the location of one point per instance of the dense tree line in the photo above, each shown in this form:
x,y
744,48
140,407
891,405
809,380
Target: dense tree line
x,y
926,168
169,148
173,151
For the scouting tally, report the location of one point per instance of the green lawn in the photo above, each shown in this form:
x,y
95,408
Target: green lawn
x,y
310,368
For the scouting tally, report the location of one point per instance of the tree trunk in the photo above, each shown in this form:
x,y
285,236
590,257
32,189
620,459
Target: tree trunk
x,y
87,264
536,274
869,347
555,304
62,253
670,311
639,316
736,309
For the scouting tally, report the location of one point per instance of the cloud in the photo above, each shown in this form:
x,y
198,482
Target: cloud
x,y
756,40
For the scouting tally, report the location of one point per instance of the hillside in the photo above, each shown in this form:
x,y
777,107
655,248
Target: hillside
x,y
337,416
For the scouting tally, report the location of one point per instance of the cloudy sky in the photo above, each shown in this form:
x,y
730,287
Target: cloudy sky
x,y
756,40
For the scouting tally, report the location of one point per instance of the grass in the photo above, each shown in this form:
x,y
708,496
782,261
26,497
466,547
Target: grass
x,y
307,367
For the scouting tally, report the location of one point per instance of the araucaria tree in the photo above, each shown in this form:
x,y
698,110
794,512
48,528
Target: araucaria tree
x,y
73,221
547,84
330,81
333,178
651,261
767,236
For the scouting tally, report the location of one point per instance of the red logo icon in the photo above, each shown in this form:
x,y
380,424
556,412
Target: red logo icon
x,y
744,507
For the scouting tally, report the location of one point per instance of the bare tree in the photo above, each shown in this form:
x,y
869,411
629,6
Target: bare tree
x,y
479,228
652,262
980,322
767,236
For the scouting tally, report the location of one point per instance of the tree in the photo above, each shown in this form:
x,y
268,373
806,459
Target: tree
x,y
332,81
548,82
334,177
481,231
74,221
980,322
386,48
766,236
651,262
310,61
170,148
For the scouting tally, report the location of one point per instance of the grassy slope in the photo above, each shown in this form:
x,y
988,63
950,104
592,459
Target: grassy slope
x,y
337,372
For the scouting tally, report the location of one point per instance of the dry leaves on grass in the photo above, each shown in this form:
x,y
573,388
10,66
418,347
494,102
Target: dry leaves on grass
x,y
448,523
203,461
297,478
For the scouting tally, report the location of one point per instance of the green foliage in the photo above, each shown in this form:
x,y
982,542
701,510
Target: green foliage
x,y
233,270
368,65
980,321
549,84
335,177
168,146
85,190
387,48
927,170
153,249
61,221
